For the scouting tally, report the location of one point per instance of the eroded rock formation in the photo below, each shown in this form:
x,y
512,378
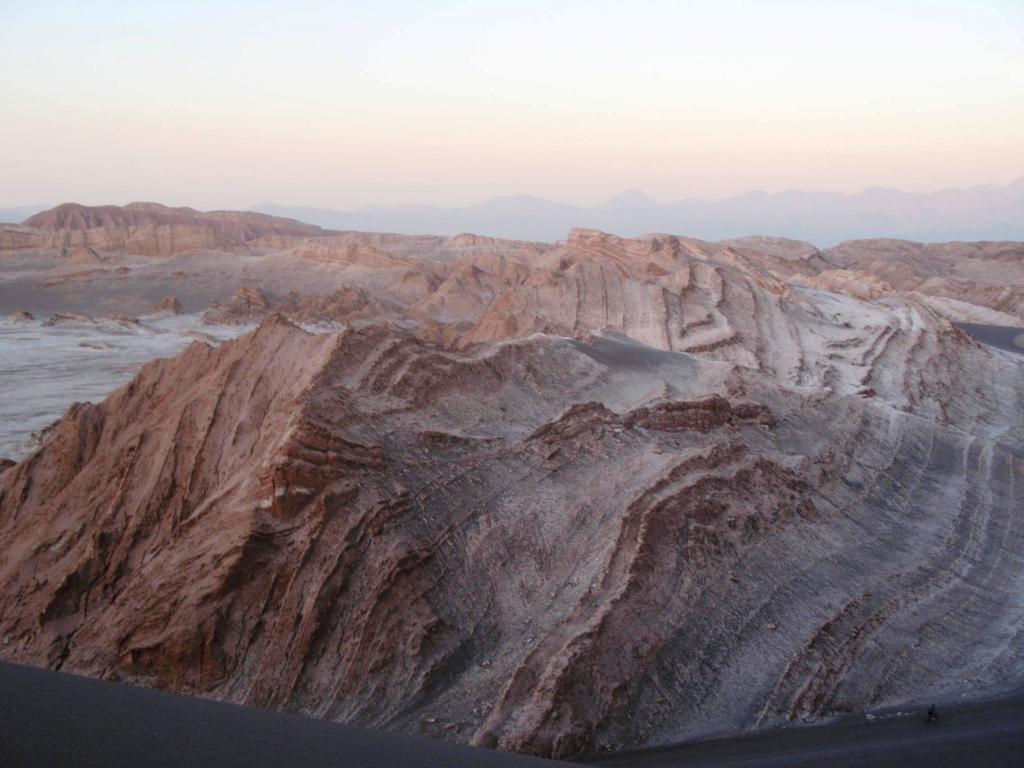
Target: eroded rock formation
x,y
541,498
169,305
246,305
148,229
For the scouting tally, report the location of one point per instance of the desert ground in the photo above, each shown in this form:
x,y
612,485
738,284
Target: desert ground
x,y
556,498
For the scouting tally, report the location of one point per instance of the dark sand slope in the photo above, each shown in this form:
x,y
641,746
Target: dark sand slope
x,y
50,719
983,734
56,719
1006,337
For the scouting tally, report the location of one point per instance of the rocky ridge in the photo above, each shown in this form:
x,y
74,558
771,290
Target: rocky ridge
x,y
542,498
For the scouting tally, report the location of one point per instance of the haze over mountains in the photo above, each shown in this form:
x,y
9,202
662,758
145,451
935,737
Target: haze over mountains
x,y
986,212
983,212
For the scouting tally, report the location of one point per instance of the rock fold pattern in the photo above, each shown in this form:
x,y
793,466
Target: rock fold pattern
x,y
541,498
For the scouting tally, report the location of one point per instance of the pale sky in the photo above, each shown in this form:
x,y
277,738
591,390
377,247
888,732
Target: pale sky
x,y
342,104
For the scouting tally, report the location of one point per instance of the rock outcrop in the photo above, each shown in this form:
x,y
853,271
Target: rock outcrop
x,y
540,544
542,498
247,305
169,305
232,225
990,274
148,229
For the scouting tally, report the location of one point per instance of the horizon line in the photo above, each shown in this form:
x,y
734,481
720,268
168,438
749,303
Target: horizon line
x,y
629,191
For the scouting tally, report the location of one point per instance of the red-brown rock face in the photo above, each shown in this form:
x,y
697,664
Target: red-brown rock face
x,y
234,225
247,305
539,498
146,229
170,305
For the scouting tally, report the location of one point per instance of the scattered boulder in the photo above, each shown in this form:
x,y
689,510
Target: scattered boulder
x,y
247,305
62,318
123,319
169,305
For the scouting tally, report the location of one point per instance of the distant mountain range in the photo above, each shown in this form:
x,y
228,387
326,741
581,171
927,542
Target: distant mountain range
x,y
985,212
988,212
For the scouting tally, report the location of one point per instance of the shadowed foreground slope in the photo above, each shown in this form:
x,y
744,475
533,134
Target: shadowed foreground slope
x,y
54,719
111,725
986,733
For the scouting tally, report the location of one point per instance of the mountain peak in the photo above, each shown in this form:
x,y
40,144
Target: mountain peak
x,y
630,198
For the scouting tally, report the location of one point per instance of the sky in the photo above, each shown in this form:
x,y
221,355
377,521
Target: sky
x,y
344,104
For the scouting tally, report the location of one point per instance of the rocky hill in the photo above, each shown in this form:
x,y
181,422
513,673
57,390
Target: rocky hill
x,y
147,229
240,225
540,497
